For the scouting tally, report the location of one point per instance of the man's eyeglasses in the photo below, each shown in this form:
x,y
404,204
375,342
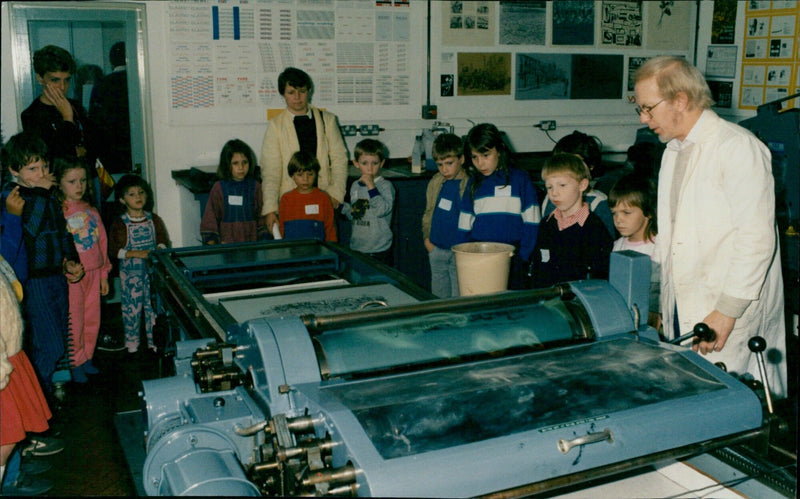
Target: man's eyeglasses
x,y
647,109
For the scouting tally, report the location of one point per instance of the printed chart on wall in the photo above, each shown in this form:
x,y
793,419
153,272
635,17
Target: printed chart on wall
x,y
771,64
225,57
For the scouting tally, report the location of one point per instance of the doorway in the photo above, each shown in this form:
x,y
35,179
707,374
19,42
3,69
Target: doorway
x,y
88,31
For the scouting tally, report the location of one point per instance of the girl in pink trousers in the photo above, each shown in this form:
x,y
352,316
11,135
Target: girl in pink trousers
x,y
86,227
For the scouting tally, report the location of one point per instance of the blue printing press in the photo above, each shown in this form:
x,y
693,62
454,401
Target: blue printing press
x,y
302,368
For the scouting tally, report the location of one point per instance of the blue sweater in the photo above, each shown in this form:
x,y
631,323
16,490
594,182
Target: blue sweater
x,y
444,223
504,210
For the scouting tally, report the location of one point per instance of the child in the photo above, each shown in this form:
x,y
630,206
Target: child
x,y
501,205
233,210
306,211
371,203
132,236
573,243
589,149
442,208
86,227
50,252
23,407
633,204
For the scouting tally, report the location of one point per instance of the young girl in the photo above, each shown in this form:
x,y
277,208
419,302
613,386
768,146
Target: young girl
x,y
86,227
573,243
500,203
132,236
233,210
633,204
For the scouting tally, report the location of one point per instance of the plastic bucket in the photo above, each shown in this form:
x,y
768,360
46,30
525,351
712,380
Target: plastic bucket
x,y
482,267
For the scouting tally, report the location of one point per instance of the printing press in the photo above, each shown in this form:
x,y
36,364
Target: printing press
x,y
305,369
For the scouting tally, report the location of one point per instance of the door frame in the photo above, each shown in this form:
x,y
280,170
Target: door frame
x,y
132,15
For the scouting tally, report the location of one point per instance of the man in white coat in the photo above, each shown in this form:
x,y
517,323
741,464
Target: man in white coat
x,y
716,220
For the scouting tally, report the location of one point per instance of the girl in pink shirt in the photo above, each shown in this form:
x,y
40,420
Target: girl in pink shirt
x,y
86,227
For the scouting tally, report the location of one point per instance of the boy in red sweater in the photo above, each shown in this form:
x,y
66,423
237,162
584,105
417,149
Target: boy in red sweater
x,y
306,211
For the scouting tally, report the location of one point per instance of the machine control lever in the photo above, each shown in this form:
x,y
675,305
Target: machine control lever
x,y
701,332
757,345
565,445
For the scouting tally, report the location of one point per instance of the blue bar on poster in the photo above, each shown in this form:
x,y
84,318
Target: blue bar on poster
x,y
236,23
215,22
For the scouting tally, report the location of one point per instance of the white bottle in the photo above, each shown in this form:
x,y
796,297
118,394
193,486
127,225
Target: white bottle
x,y
416,155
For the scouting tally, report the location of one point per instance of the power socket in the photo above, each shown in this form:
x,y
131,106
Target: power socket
x,y
546,125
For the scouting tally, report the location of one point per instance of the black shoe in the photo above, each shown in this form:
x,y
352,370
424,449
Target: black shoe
x,y
42,446
108,343
26,485
34,466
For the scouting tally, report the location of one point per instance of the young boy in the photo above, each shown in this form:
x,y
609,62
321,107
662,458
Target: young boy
x,y
573,242
49,250
442,209
371,203
131,238
306,211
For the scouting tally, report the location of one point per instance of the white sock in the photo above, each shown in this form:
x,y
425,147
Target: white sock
x,y
2,474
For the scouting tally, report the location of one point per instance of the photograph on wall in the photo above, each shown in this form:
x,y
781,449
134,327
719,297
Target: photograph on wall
x,y
596,76
469,23
621,23
447,85
721,61
523,23
721,92
780,48
568,76
633,65
779,75
753,74
757,26
752,96
669,25
573,22
723,23
484,73
543,76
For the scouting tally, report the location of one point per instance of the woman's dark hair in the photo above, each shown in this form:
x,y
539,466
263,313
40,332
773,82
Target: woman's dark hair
x,y
637,190
226,156
296,78
482,138
61,165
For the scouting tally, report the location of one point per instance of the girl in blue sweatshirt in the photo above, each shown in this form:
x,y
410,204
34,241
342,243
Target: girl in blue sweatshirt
x,y
500,203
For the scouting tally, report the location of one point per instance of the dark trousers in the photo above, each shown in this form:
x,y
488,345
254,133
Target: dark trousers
x,y
47,311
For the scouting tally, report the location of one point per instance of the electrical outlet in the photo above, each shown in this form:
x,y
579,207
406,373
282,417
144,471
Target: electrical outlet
x,y
547,125
369,130
429,112
348,130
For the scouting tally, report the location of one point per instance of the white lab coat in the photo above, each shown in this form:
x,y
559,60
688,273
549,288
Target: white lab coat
x,y
724,240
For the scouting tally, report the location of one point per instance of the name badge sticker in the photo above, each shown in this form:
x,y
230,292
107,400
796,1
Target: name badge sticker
x,y
312,209
545,255
445,204
502,191
235,200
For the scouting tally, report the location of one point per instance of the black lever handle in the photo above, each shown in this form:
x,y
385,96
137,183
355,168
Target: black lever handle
x,y
757,345
701,332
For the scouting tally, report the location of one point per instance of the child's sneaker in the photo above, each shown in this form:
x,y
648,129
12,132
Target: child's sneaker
x,y
108,343
89,368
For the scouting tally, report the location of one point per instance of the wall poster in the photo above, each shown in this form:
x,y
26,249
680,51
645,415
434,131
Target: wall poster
x,y
771,64
227,55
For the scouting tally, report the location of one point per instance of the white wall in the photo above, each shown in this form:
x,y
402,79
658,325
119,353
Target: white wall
x,y
180,147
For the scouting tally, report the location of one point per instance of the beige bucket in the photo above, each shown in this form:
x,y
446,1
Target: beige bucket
x,y
482,267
